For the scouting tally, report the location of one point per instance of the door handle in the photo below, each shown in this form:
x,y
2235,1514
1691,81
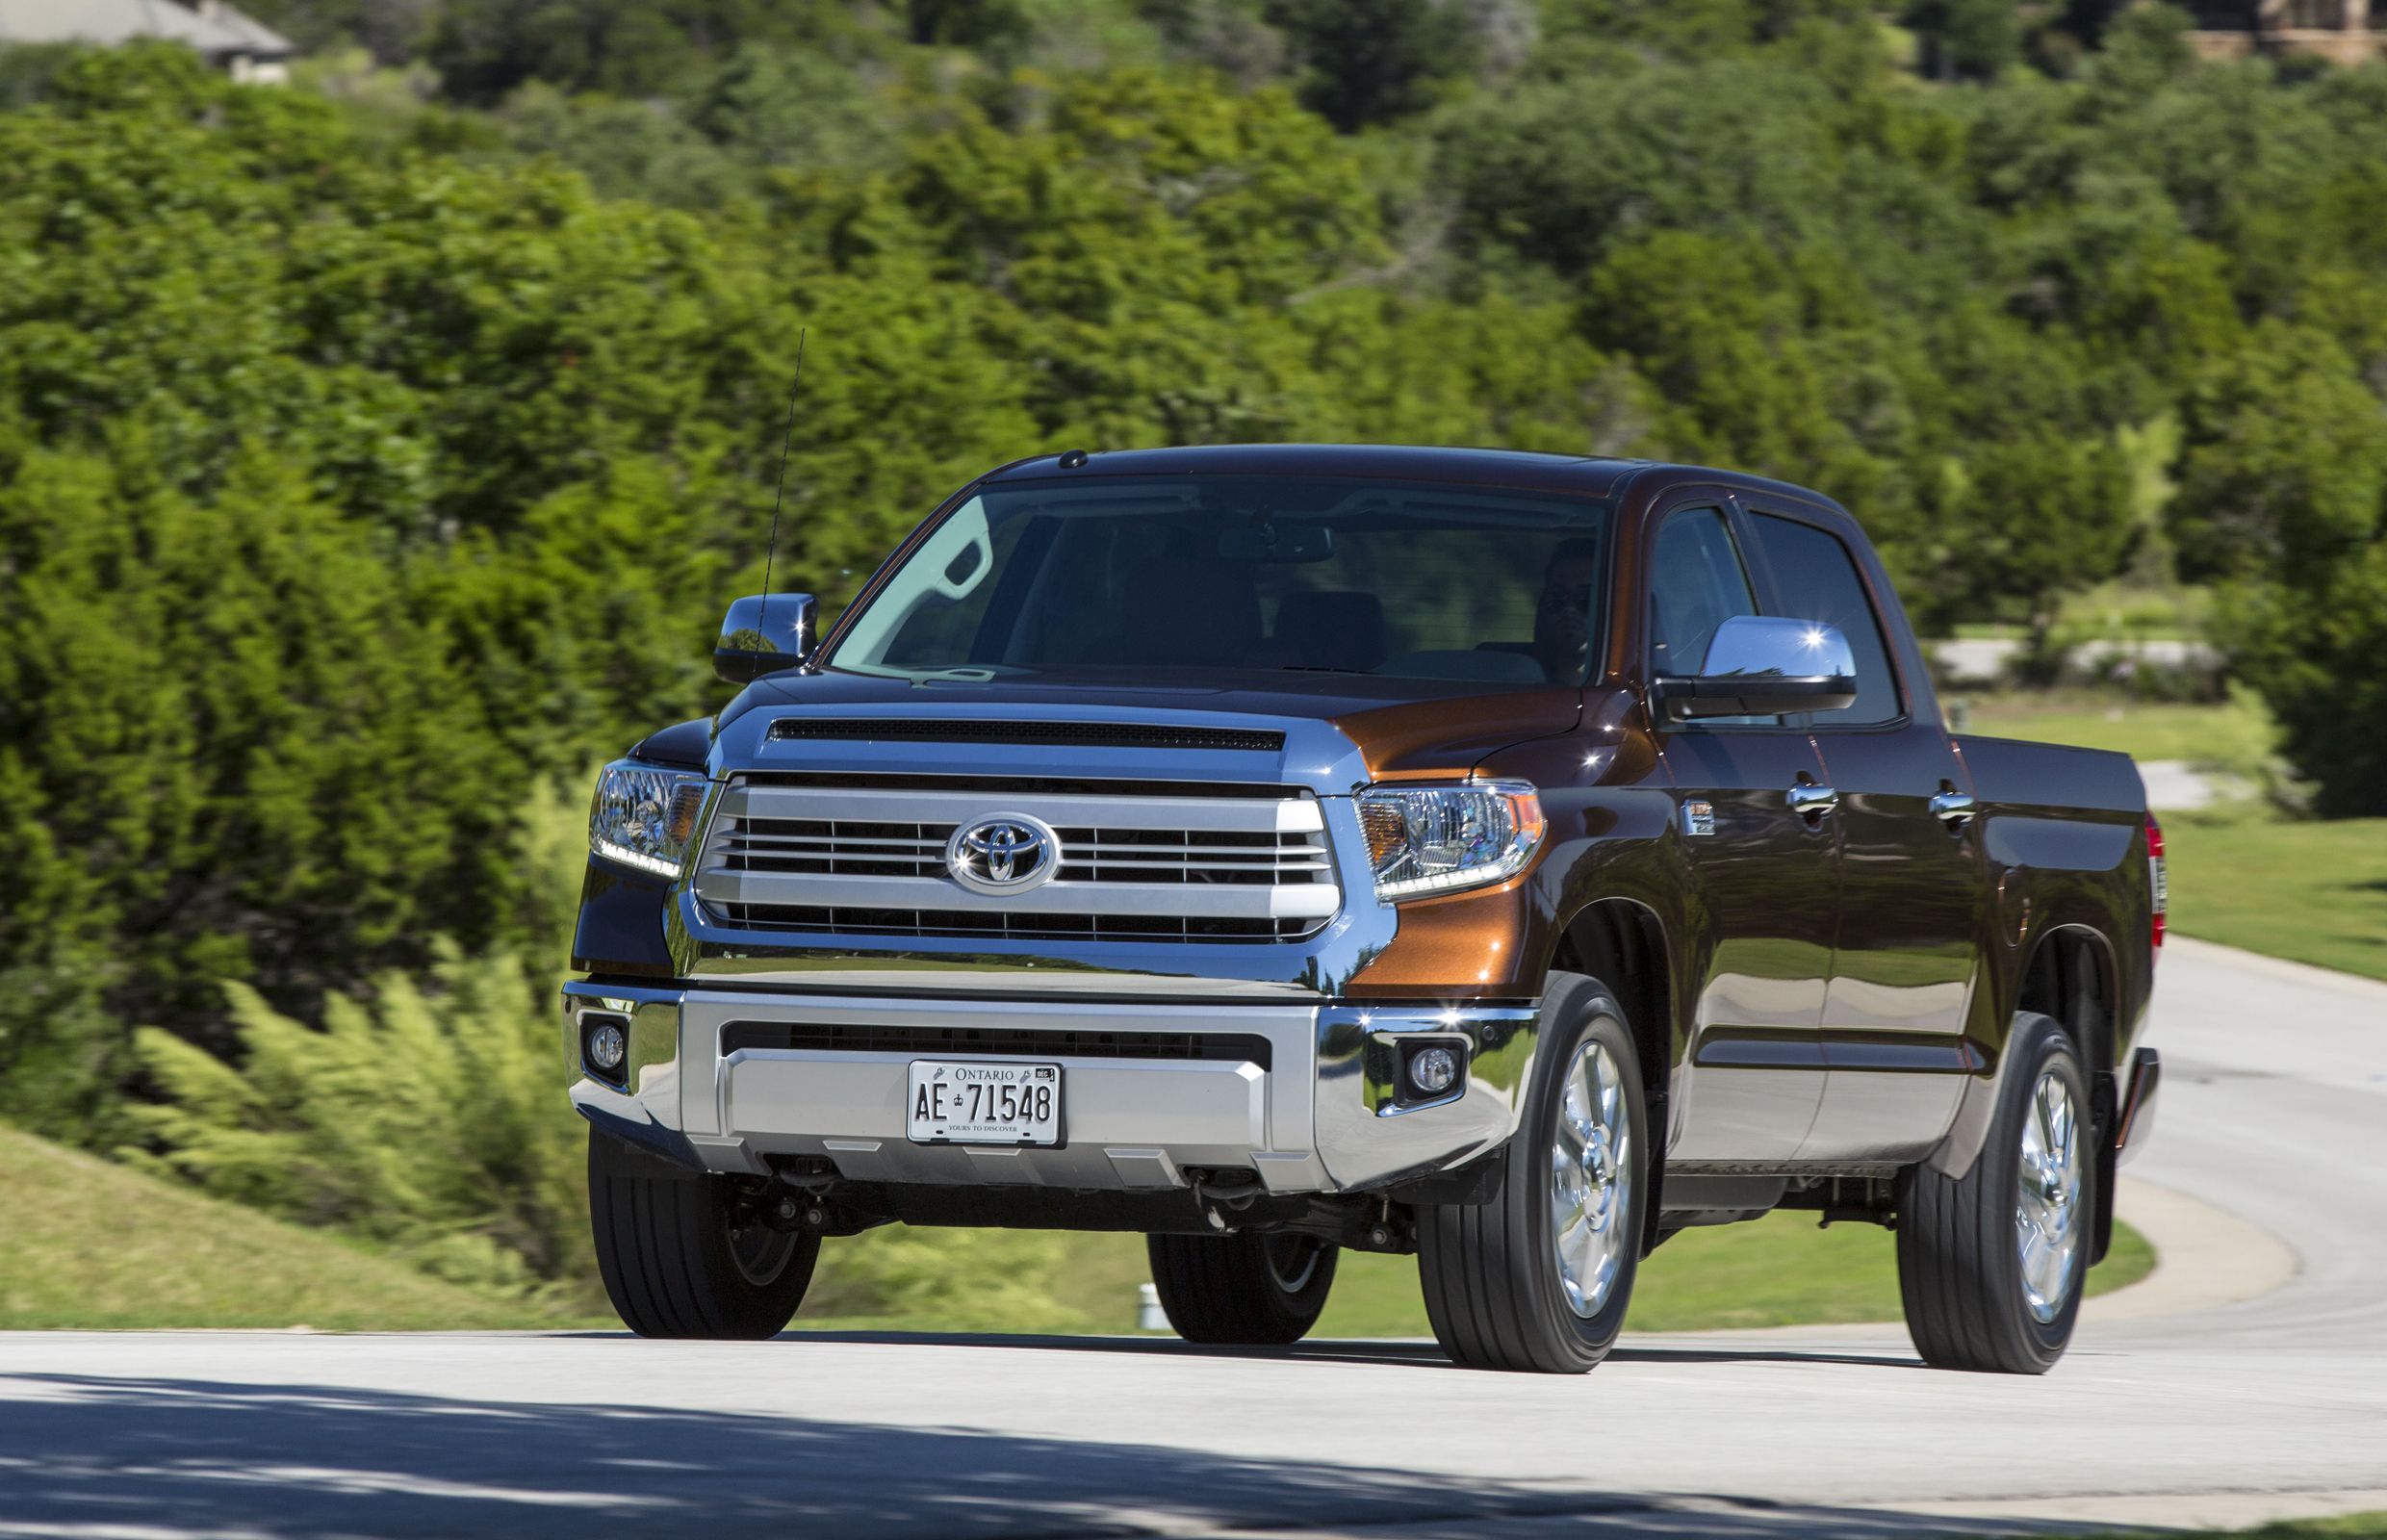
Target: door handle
x,y
1811,802
1954,809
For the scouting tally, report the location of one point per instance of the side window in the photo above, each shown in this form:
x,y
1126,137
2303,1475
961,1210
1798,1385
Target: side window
x,y
1818,580
1696,585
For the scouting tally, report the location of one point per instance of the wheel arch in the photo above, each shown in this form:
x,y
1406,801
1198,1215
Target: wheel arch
x,y
2072,976
1622,942
2069,974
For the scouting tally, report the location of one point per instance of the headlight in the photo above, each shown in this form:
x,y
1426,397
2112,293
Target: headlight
x,y
645,817
1434,839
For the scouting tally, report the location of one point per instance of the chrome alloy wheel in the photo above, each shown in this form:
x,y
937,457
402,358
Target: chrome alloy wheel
x,y
2047,1200
1591,1179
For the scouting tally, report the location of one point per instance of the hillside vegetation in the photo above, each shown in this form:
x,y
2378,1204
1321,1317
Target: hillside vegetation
x,y
93,1245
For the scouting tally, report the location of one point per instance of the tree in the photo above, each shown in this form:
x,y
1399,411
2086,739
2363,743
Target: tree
x,y
1968,39
1369,61
2283,493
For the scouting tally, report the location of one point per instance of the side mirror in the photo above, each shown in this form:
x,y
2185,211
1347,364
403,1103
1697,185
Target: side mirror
x,y
1763,665
764,634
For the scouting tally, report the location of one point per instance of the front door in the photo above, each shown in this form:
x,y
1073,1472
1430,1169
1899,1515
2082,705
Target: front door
x,y
1912,878
1764,875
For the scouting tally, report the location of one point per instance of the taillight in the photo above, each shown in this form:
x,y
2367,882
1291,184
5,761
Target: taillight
x,y
2158,885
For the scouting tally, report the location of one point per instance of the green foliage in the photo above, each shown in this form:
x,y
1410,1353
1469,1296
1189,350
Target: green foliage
x,y
1968,39
429,1120
1372,61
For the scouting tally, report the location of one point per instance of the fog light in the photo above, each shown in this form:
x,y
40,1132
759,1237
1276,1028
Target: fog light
x,y
1431,1070
607,1047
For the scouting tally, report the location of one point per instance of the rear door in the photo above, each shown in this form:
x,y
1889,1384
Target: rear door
x,y
1906,958
1765,877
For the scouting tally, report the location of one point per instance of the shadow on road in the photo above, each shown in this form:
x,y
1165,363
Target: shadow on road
x,y
184,1457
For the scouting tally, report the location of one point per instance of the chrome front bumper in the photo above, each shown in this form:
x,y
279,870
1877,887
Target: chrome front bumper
x,y
1320,1116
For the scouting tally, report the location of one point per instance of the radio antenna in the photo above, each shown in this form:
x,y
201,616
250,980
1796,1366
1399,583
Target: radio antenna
x,y
770,552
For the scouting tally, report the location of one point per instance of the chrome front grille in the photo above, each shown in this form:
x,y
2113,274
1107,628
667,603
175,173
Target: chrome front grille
x,y
871,860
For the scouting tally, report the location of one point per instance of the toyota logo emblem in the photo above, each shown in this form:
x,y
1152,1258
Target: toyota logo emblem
x,y
1003,853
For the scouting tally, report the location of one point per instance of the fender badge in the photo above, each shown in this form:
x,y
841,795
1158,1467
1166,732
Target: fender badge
x,y
1698,818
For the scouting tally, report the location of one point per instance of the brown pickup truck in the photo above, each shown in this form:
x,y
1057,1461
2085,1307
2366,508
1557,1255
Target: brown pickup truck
x,y
1508,859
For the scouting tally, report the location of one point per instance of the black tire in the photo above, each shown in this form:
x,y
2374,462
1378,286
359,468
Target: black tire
x,y
684,1255
1494,1290
1249,1289
1960,1271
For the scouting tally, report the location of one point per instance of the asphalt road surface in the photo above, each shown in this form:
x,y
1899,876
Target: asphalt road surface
x,y
2182,1400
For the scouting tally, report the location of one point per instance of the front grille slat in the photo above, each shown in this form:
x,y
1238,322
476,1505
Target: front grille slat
x,y
1214,1047
869,859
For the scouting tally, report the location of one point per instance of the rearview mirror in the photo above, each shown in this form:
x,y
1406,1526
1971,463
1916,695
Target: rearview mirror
x,y
764,634
1763,665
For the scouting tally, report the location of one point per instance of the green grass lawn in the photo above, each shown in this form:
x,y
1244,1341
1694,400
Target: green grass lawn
x,y
2242,874
1779,1271
2313,892
2347,1527
95,1244
2233,736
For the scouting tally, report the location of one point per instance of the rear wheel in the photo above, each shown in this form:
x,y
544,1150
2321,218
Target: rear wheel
x,y
1250,1288
1991,1266
689,1255
1540,1277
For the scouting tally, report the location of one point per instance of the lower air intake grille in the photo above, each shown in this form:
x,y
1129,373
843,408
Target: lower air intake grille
x,y
1224,1047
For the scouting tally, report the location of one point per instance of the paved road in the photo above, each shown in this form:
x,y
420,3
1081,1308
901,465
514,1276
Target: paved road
x,y
2275,1108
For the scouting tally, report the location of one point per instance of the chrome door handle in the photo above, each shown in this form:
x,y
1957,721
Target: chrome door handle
x,y
1954,809
1811,802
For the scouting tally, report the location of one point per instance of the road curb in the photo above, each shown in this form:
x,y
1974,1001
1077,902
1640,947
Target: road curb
x,y
2205,1258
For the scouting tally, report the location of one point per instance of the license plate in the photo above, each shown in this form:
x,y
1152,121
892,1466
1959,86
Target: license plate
x,y
977,1103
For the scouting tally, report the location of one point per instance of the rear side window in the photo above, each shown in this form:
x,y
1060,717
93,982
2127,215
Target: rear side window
x,y
1817,579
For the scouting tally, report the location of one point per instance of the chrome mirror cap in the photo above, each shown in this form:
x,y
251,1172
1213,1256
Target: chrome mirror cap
x,y
764,633
1763,665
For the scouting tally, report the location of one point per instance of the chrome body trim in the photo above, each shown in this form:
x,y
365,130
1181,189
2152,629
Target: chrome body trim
x,y
1366,1139
1226,815
810,889
764,633
647,1109
1304,1124
726,875
1306,786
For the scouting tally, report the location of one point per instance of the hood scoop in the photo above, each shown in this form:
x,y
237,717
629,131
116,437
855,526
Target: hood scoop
x,y
1070,734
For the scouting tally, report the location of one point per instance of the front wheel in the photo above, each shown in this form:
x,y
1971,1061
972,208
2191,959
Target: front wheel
x,y
689,1255
1251,1289
1539,1278
1991,1266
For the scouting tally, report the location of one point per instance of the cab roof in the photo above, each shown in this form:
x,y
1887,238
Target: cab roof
x,y
1581,474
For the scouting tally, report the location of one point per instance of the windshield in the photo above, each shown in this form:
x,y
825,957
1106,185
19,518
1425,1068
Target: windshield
x,y
1337,575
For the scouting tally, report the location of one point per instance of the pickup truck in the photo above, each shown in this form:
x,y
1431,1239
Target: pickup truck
x,y
1511,859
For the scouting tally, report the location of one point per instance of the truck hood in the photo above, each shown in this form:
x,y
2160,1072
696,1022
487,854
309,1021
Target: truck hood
x,y
1398,725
